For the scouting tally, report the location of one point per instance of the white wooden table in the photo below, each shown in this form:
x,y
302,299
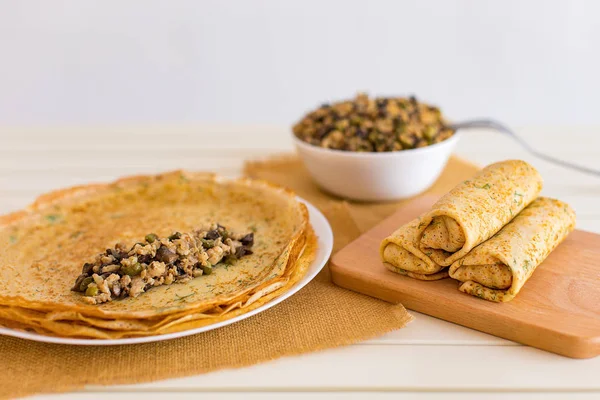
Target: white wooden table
x,y
421,361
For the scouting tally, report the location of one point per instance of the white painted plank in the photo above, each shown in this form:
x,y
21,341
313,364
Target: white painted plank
x,y
576,142
427,330
271,138
404,368
475,144
330,395
549,136
160,153
116,138
101,160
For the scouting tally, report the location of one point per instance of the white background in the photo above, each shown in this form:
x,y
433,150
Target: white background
x,y
171,62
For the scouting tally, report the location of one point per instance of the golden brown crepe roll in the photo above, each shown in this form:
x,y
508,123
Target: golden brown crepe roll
x,y
466,216
497,269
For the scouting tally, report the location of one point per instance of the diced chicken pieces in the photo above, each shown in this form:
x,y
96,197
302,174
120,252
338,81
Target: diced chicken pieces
x,y
125,280
137,286
156,268
116,288
129,271
107,259
214,255
112,283
111,268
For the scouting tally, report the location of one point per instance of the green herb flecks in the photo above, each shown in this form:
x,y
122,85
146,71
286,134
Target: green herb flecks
x,y
518,198
53,218
13,238
180,298
75,235
486,186
229,260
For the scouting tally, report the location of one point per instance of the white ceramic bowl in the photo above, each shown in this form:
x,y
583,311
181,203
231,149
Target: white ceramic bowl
x,y
376,176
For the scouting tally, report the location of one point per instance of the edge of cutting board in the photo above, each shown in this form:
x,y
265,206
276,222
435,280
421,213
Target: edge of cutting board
x,y
557,310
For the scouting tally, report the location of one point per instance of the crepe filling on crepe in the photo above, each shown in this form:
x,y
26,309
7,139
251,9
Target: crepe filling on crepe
x,y
180,257
232,244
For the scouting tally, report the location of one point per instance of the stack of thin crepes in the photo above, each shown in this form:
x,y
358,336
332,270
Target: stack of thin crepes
x,y
490,233
45,246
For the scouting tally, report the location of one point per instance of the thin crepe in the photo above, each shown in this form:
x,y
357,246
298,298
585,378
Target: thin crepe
x,y
497,269
45,246
463,218
76,325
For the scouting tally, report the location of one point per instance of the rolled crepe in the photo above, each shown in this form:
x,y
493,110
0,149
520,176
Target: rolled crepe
x,y
497,269
463,218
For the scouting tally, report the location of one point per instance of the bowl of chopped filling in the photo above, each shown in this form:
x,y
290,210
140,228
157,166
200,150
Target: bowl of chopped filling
x,y
375,149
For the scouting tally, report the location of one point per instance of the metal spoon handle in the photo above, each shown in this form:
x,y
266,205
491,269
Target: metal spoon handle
x,y
497,126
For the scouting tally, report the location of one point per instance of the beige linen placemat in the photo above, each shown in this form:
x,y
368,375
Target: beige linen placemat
x,y
320,316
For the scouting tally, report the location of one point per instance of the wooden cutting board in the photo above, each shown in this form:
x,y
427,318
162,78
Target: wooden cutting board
x,y
557,310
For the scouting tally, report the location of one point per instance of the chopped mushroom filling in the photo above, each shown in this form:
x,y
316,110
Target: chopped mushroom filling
x,y
119,272
379,124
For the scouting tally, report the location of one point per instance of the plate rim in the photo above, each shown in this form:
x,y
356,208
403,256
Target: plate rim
x,y
324,235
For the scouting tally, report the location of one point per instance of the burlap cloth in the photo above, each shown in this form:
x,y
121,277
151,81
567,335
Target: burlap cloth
x,y
320,316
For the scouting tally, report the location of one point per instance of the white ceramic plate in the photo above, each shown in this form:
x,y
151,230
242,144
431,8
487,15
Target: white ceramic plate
x,y
325,246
